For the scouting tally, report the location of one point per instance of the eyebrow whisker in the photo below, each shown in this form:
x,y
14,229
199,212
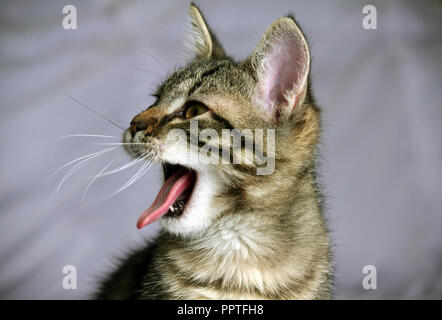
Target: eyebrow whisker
x,y
94,111
84,135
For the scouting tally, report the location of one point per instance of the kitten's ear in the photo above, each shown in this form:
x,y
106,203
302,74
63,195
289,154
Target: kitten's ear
x,y
205,43
281,63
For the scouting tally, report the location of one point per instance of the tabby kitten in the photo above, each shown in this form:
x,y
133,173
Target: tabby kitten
x,y
228,232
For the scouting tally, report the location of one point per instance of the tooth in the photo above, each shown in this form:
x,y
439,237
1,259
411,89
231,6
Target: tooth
x,y
171,208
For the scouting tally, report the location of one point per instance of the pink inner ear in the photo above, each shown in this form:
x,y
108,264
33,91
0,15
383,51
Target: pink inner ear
x,y
285,71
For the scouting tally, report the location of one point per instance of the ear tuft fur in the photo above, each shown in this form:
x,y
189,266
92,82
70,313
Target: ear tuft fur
x,y
204,42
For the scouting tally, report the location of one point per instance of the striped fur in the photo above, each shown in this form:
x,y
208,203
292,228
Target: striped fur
x,y
245,236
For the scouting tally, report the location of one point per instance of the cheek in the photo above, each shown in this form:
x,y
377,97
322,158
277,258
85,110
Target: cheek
x,y
172,152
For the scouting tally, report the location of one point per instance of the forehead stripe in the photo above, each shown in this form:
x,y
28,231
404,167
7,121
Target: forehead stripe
x,y
204,75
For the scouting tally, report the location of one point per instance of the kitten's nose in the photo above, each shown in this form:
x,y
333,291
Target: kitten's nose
x,y
145,121
136,126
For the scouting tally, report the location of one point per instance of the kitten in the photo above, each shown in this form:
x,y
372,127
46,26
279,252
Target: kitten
x,y
228,232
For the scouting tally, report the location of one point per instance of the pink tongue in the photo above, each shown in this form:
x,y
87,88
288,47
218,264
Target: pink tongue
x,y
175,186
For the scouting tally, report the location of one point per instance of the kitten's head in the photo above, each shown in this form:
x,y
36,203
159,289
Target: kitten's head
x,y
263,100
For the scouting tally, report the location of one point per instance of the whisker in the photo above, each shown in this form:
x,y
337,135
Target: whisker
x,y
145,171
131,180
135,177
95,178
141,81
78,159
95,112
144,83
138,174
126,166
156,60
75,168
118,143
84,135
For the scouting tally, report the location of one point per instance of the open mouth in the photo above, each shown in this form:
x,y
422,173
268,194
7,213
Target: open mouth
x,y
173,195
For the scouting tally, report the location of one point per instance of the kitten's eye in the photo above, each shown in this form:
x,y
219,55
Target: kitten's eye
x,y
195,109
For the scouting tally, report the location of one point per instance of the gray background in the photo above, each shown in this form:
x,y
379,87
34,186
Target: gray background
x,y
380,91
